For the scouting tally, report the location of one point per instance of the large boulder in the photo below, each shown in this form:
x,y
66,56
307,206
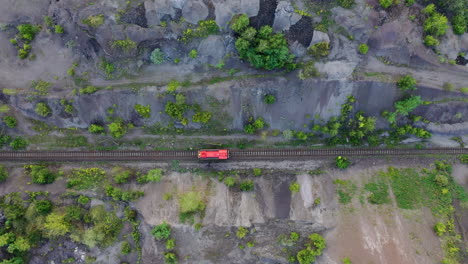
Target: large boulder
x,y
450,45
319,36
194,11
225,9
285,16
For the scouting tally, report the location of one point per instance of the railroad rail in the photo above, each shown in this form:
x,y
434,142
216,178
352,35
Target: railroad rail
x,y
257,154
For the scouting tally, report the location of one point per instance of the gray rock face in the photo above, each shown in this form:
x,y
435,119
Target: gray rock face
x,y
225,9
285,16
450,45
194,11
212,49
157,9
319,36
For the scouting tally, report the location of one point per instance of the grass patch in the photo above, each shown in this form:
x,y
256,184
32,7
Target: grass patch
x,y
407,187
378,190
4,108
345,189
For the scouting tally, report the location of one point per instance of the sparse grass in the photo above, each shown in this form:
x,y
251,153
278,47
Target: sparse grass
x,y
378,192
94,21
346,189
406,186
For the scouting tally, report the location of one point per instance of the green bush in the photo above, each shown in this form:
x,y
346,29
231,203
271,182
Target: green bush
x,y
191,202
294,187
173,85
321,49
436,23
404,107
386,3
117,129
170,244
170,258
10,121
203,30
82,179
18,143
257,172
162,231
440,229
246,185
125,248
242,232
121,175
408,3
107,67
58,29
254,125
363,49
94,21
230,181
143,111
342,162
118,194
431,41
201,117
407,83
88,89
42,109
346,3
96,129
153,175
269,99
84,200
157,56
40,174
308,71
3,173
262,48
193,54
28,31
41,87
44,207
126,45
347,260
459,24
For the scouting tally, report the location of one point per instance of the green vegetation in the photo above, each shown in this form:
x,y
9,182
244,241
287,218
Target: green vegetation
x,y
314,248
308,71
342,162
83,200
288,241
347,260
363,48
96,129
157,56
435,25
269,99
191,203
254,125
378,191
203,30
118,128
18,143
118,194
125,45
459,23
121,175
153,175
125,248
242,232
346,3
82,179
162,231
3,173
26,34
68,107
257,172
386,3
431,41
345,190
246,185
201,117
143,111
94,21
173,85
407,83
294,187
320,49
463,159
170,258
40,174
88,89
10,121
41,87
230,181
58,29
170,244
193,54
263,49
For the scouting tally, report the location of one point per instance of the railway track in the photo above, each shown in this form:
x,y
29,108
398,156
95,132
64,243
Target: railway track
x,y
257,154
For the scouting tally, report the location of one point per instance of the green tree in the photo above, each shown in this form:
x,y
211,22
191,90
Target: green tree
x,y
96,129
58,29
201,116
55,225
342,162
20,244
404,107
143,111
40,174
43,109
3,173
18,143
157,56
431,41
82,199
44,207
459,24
173,85
239,23
346,3
193,54
125,248
407,83
10,121
170,258
162,231
117,129
242,232
436,25
385,4
170,244
306,256
363,48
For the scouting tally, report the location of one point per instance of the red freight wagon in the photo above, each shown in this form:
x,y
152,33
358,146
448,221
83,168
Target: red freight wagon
x,y
213,154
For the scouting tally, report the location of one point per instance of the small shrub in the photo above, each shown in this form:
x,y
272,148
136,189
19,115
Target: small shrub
x,y
191,202
3,173
18,143
250,244
125,45
386,3
321,49
203,30
241,232
153,175
44,207
193,54
170,258
94,21
440,229
40,174
459,24
10,121
346,3
41,87
309,71
240,23
117,129
88,89
257,172
294,187
230,181
342,162
84,200
121,175
173,85
201,117
363,49
431,41
407,83
170,244
347,260
162,231
96,129
58,29
28,31
157,56
143,111
246,185
125,249
269,99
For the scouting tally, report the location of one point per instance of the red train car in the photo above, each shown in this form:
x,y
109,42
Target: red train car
x,y
213,154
